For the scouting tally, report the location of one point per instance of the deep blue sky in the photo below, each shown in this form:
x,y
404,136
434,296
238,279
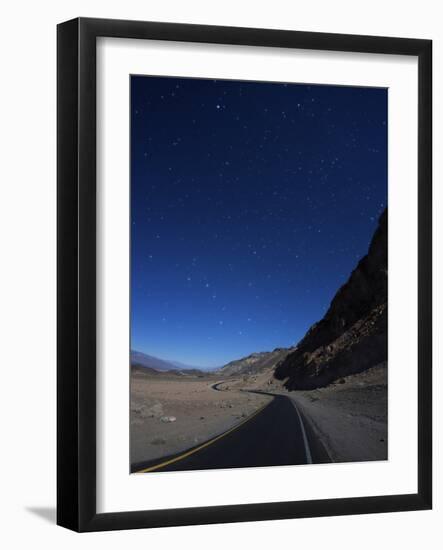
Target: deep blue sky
x,y
251,204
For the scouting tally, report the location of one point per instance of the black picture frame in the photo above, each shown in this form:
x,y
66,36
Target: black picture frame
x,y
76,265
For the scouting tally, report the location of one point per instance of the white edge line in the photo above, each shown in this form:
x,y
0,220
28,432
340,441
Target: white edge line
x,y
305,439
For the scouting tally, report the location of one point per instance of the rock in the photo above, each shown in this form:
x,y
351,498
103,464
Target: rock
x,y
168,419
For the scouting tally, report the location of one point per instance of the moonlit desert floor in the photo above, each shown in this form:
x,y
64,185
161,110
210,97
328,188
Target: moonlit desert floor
x,y
351,416
170,414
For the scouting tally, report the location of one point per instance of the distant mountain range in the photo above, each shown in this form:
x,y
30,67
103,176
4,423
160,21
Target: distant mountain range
x,y
140,359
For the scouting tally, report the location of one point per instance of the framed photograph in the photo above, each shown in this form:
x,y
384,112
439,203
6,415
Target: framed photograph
x,y
244,274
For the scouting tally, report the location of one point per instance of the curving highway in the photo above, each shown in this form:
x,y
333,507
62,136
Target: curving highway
x,y
276,435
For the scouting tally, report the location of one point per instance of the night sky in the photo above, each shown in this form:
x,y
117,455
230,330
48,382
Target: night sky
x,y
251,203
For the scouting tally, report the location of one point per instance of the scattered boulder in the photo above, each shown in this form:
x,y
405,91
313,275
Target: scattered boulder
x,y
168,419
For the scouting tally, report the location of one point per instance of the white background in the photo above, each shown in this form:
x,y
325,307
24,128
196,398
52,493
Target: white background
x,y
27,302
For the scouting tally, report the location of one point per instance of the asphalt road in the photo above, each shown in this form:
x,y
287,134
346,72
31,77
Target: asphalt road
x,y
275,436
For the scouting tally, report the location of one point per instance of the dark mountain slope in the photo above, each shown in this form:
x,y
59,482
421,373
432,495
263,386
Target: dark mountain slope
x,y
352,336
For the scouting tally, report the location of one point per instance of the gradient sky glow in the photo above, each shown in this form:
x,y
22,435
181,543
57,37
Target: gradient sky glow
x,y
251,204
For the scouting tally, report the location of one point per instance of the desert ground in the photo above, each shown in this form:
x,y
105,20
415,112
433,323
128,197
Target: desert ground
x,y
171,413
350,416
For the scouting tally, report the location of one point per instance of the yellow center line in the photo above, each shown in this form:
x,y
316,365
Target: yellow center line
x,y
202,446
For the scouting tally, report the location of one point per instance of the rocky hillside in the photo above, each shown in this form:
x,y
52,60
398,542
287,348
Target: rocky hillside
x,y
255,363
352,336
